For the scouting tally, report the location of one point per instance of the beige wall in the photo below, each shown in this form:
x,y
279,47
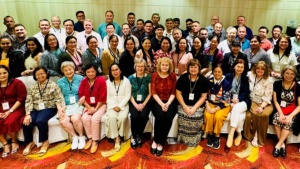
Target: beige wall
x,y
257,12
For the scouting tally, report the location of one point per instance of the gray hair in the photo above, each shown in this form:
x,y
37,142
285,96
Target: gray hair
x,y
139,60
65,64
292,68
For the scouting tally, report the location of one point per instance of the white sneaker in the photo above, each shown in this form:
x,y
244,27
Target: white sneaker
x,y
74,143
81,142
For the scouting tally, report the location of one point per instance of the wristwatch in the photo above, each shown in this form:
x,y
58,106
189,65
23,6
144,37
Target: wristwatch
x,y
10,110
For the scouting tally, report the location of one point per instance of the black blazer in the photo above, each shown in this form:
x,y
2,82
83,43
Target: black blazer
x,y
227,65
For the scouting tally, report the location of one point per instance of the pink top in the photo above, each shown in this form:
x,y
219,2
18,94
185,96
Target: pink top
x,y
160,54
181,61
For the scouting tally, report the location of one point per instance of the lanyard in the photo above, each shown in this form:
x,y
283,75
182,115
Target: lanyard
x,y
42,91
280,57
91,86
255,83
70,86
116,58
192,88
139,84
75,56
117,87
4,93
179,58
238,83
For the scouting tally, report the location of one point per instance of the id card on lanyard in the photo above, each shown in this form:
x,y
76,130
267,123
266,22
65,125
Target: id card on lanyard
x,y
42,104
5,104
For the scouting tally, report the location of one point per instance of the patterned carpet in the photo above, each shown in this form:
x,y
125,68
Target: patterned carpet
x,y
175,156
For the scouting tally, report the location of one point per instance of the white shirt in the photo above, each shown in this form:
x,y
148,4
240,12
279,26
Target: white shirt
x,y
106,43
81,40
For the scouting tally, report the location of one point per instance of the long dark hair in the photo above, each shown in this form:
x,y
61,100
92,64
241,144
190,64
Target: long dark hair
x,y
46,44
150,50
8,71
169,41
125,42
111,78
38,49
6,37
193,51
287,50
177,50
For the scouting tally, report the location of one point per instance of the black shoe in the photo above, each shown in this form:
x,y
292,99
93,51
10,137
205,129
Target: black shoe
x,y
282,152
159,152
210,139
216,143
276,152
139,142
153,150
133,144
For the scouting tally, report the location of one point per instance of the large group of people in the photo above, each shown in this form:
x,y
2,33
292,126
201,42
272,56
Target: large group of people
x,y
202,74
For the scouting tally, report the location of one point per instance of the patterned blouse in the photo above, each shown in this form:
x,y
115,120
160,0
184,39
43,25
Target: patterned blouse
x,y
163,87
160,54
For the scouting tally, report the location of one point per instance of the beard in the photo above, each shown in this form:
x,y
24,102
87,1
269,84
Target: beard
x,y
189,28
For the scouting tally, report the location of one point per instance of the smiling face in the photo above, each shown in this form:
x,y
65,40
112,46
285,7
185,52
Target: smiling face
x,y
125,30
214,43
241,32
20,32
52,41
93,44
231,34
115,71
288,75
165,45
110,30
41,76
131,19
31,46
72,43
140,68
109,17
197,43
254,43
69,27
182,45
276,33
194,70
130,45
164,67
146,44
283,43
218,73
260,71
5,44
88,26
68,71
9,22
176,34
218,28
239,68
3,75
44,27
55,22
91,73
113,43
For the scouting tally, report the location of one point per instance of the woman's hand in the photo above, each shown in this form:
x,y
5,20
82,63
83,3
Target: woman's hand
x,y
281,118
117,109
27,120
192,110
91,110
61,113
81,100
259,110
186,109
288,119
4,115
235,101
141,107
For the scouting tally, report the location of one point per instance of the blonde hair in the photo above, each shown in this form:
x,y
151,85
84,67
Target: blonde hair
x,y
262,65
164,59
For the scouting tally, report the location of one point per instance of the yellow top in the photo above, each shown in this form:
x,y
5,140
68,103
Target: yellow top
x,y
4,62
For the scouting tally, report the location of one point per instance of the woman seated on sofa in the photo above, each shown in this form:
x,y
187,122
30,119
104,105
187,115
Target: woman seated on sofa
x,y
286,98
257,118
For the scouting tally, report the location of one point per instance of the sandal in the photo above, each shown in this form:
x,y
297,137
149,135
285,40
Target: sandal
x,y
28,148
117,146
254,142
5,154
43,150
14,150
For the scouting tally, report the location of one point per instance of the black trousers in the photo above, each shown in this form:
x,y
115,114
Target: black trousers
x,y
163,121
139,119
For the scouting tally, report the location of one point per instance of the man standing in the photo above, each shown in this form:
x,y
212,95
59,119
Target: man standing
x,y
241,38
109,18
156,41
196,28
217,31
9,22
276,33
155,19
79,24
295,41
214,20
188,31
177,34
140,28
126,33
169,29
55,20
110,30
265,43
69,29
20,34
148,31
204,37
177,24
131,21
241,21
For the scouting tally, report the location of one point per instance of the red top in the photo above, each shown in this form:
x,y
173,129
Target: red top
x,y
163,87
98,90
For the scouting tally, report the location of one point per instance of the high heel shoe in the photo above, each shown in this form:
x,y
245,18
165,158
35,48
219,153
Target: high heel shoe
x,y
14,150
28,148
159,152
5,153
153,148
43,149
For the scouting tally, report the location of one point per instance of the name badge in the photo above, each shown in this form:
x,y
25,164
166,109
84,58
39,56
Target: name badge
x,y
41,106
235,96
277,68
139,97
92,99
5,106
191,96
212,97
72,99
176,70
283,103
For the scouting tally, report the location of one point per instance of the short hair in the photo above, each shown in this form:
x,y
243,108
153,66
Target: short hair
x,y
176,20
193,62
130,13
65,64
18,24
202,29
110,24
169,41
235,43
139,60
229,28
148,21
292,68
217,66
89,38
277,26
238,61
242,27
68,20
160,26
78,12
44,20
124,24
287,50
113,36
141,20
88,20
110,12
256,37
177,50
40,68
68,38
262,65
177,29
196,22
7,17
10,77
263,27
169,19
38,49
164,59
91,65
241,16
111,78
188,20
155,14
46,44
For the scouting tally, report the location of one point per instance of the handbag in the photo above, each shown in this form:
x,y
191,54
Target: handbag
x,y
290,108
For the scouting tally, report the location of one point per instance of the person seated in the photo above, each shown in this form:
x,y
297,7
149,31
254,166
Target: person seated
x,y
286,99
266,45
255,53
72,55
92,55
217,107
181,57
257,118
112,54
88,31
163,89
191,92
224,45
44,100
240,100
139,106
32,55
231,57
12,110
118,95
93,89
146,53
164,51
71,118
13,59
